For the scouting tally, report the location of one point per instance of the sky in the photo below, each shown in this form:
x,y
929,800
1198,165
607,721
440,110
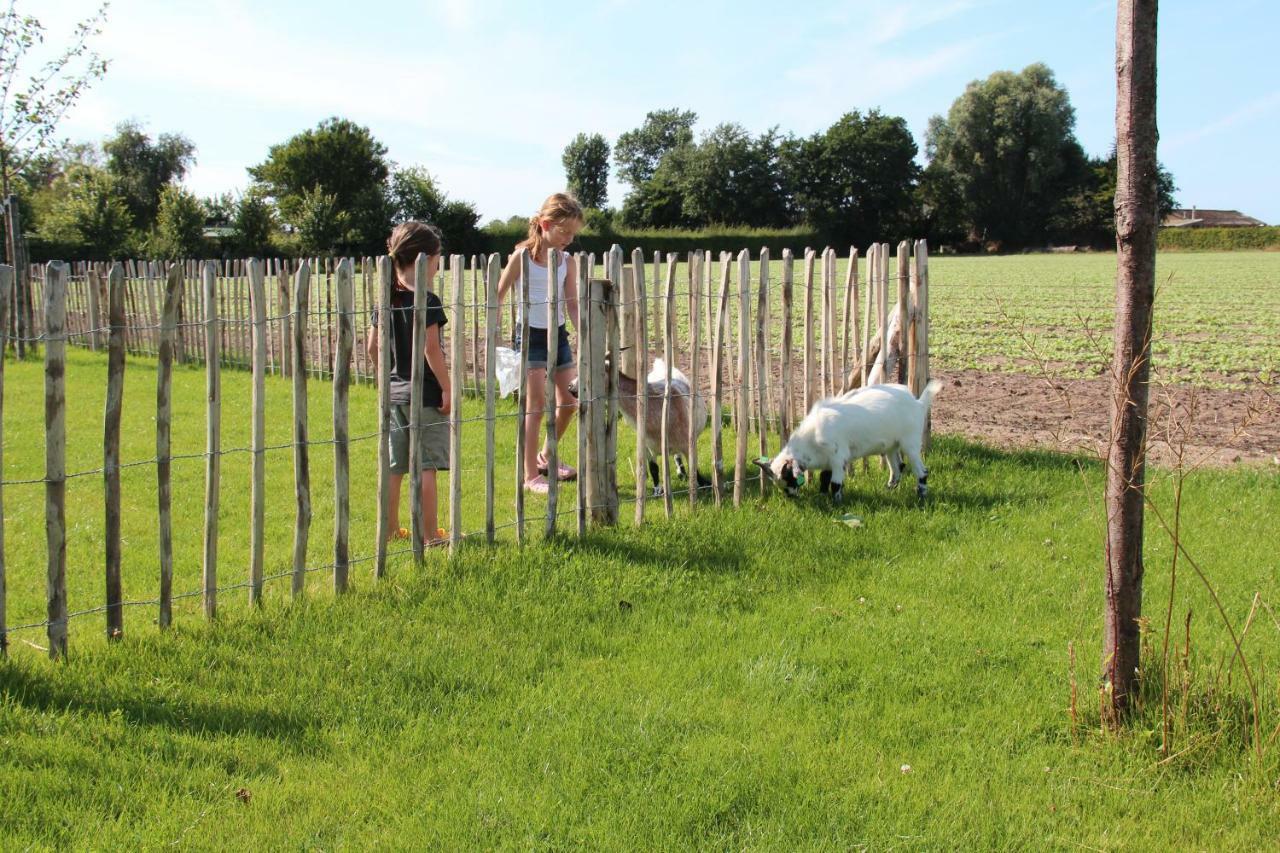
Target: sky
x,y
486,95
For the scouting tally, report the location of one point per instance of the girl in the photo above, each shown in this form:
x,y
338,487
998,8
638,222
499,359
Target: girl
x,y
554,227
406,241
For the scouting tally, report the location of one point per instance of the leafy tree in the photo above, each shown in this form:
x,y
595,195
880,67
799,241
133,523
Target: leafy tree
x,y
855,182
350,164
659,202
179,231
253,221
33,107
414,194
143,168
459,222
86,209
321,221
1087,214
219,209
731,178
638,152
586,168
1008,143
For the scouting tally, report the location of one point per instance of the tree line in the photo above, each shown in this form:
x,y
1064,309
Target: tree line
x,y
1002,167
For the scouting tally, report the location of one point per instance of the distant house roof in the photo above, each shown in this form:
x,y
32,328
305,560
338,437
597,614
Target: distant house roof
x,y
219,231
1199,218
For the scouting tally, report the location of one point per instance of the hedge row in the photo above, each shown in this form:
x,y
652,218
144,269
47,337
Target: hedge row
x,y
1218,239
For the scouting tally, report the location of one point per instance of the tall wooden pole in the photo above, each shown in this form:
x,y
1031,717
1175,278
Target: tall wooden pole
x,y
1135,206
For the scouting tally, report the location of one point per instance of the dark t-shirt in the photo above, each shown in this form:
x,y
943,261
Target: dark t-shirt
x,y
402,347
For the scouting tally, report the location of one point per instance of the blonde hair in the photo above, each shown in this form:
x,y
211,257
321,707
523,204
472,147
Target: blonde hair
x,y
559,207
408,239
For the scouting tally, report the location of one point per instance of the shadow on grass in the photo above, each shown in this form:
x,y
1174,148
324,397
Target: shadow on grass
x,y
51,693
668,546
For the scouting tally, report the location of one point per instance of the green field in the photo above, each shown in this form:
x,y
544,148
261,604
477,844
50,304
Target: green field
x,y
753,678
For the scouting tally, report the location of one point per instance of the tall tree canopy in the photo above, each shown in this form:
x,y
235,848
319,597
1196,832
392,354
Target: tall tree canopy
x,y
339,165
586,169
1008,148
142,168
638,152
855,181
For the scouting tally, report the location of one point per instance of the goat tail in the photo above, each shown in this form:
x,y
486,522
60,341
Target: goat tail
x,y
926,396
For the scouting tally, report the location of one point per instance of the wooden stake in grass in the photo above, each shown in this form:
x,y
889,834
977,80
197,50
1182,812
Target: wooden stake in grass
x,y
455,412
636,305
213,436
717,385
492,273
7,276
695,369
258,439
522,391
164,420
554,257
788,396
922,326
344,281
421,286
809,387
668,351
111,449
850,324
744,374
903,315
55,471
301,435
762,359
386,281
584,275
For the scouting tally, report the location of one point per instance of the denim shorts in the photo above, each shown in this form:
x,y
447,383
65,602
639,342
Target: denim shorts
x,y
538,349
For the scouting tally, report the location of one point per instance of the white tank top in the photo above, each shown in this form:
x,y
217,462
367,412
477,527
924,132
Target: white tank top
x,y
538,294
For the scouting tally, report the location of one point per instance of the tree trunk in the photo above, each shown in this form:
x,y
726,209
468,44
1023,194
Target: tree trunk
x,y
1135,207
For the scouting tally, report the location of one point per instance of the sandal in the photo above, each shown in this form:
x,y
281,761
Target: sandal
x,y
563,471
538,485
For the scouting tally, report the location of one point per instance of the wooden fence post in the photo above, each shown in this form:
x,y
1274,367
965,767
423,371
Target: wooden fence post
x,y
258,430
111,446
213,437
95,332
421,286
668,352
635,305
386,281
455,407
55,473
904,249
762,359
614,345
554,257
174,282
584,312
695,390
867,333
808,330
744,375
301,450
788,333
717,385
850,323
522,391
922,328
7,275
286,320
344,281
493,273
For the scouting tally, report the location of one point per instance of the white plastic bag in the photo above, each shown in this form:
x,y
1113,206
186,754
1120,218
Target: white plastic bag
x,y
507,370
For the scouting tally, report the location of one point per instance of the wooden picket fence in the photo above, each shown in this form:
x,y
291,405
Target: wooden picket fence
x,y
730,323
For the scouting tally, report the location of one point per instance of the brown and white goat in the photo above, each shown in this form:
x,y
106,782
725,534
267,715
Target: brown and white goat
x,y
685,407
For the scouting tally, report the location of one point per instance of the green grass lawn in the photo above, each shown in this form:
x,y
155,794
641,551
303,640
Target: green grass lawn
x,y
751,678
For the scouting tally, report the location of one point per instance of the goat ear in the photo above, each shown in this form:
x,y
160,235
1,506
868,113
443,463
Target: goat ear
x,y
765,465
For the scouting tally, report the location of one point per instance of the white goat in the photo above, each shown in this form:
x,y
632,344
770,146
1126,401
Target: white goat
x,y
877,420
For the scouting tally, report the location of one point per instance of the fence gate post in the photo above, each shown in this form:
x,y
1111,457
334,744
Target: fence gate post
x,y
6,288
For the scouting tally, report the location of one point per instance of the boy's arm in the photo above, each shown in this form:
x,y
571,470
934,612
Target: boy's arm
x,y
435,360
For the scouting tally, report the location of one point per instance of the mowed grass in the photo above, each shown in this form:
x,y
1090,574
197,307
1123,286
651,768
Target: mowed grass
x,y
762,677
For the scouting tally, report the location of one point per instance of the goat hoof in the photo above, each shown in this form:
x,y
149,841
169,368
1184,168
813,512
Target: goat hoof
x,y
837,496
657,492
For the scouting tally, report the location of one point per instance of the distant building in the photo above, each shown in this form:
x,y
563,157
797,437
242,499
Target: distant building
x,y
1194,218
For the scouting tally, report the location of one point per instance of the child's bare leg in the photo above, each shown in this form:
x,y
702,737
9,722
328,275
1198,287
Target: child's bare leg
x,y
430,509
566,402
393,506
535,396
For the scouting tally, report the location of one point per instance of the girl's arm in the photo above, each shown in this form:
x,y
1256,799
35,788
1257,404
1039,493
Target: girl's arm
x,y
571,294
435,360
510,274
371,347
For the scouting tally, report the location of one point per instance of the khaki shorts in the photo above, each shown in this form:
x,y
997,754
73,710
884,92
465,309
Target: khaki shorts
x,y
433,440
